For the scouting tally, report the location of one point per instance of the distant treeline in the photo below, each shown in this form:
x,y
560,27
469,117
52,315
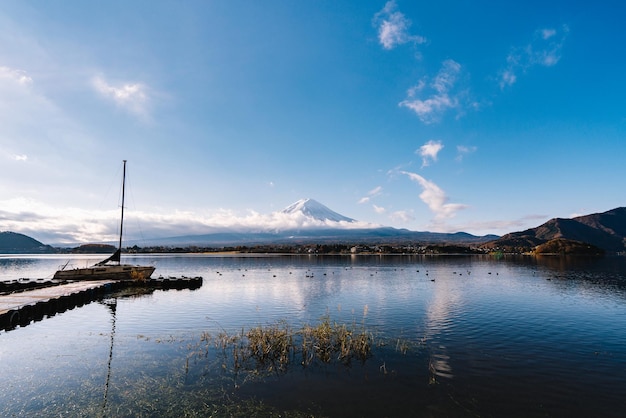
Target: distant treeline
x,y
315,249
558,246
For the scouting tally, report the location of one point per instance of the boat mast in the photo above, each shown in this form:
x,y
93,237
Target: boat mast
x,y
122,218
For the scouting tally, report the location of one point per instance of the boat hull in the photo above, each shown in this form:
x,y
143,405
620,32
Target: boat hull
x,y
116,272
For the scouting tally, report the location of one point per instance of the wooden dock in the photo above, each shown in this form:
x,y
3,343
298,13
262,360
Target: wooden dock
x,y
23,307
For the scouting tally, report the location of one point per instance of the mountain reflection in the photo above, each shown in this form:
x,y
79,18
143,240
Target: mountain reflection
x,y
439,321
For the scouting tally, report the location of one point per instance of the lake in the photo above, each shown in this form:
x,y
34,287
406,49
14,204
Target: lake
x,y
446,336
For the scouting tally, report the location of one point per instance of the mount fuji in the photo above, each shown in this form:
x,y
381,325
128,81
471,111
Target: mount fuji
x,y
309,222
314,209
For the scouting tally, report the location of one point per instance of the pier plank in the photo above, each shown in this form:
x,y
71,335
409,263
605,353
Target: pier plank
x,y
20,308
16,301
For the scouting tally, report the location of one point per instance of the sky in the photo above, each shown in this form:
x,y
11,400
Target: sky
x,y
478,116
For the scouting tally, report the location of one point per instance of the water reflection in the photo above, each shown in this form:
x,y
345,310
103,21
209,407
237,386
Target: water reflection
x,y
16,267
439,320
112,305
519,336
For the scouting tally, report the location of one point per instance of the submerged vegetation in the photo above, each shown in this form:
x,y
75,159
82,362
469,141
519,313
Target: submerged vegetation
x,y
221,370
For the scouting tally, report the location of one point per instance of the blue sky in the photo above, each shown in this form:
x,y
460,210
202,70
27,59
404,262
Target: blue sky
x,y
476,116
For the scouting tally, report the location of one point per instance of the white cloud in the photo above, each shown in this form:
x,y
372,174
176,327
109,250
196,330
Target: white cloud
x,y
501,227
16,90
393,27
429,110
379,209
442,98
32,125
375,191
133,97
74,225
462,151
547,33
402,216
372,193
544,50
508,78
435,198
16,76
429,151
447,76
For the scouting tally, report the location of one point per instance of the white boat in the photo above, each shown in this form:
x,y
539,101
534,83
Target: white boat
x,y
111,268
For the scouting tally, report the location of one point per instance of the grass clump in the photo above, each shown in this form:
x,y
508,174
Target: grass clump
x,y
275,347
270,346
327,341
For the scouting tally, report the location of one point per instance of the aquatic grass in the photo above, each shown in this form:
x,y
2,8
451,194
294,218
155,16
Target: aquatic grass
x,y
208,379
270,346
402,345
273,348
327,341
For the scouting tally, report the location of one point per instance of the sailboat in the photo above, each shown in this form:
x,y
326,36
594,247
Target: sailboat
x,y
110,268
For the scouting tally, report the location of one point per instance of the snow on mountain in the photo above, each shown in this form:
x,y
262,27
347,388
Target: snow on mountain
x,y
314,209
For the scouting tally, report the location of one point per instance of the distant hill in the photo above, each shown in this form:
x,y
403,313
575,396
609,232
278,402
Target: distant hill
x,y
368,236
324,226
94,249
566,247
605,230
317,225
14,243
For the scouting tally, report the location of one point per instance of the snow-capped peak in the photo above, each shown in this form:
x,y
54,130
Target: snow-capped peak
x,y
315,210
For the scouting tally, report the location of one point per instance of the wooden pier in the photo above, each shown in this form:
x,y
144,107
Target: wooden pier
x,y
20,308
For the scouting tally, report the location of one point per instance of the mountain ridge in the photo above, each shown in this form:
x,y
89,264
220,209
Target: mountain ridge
x,y
605,230
370,236
323,226
311,222
16,243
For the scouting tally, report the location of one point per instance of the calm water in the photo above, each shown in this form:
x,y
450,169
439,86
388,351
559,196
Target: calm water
x,y
454,336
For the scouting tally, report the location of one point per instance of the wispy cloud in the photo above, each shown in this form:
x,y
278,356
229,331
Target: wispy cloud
x,y
462,151
429,152
435,198
15,75
544,50
17,92
547,33
372,193
503,226
32,125
133,97
403,216
393,27
440,94
379,209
